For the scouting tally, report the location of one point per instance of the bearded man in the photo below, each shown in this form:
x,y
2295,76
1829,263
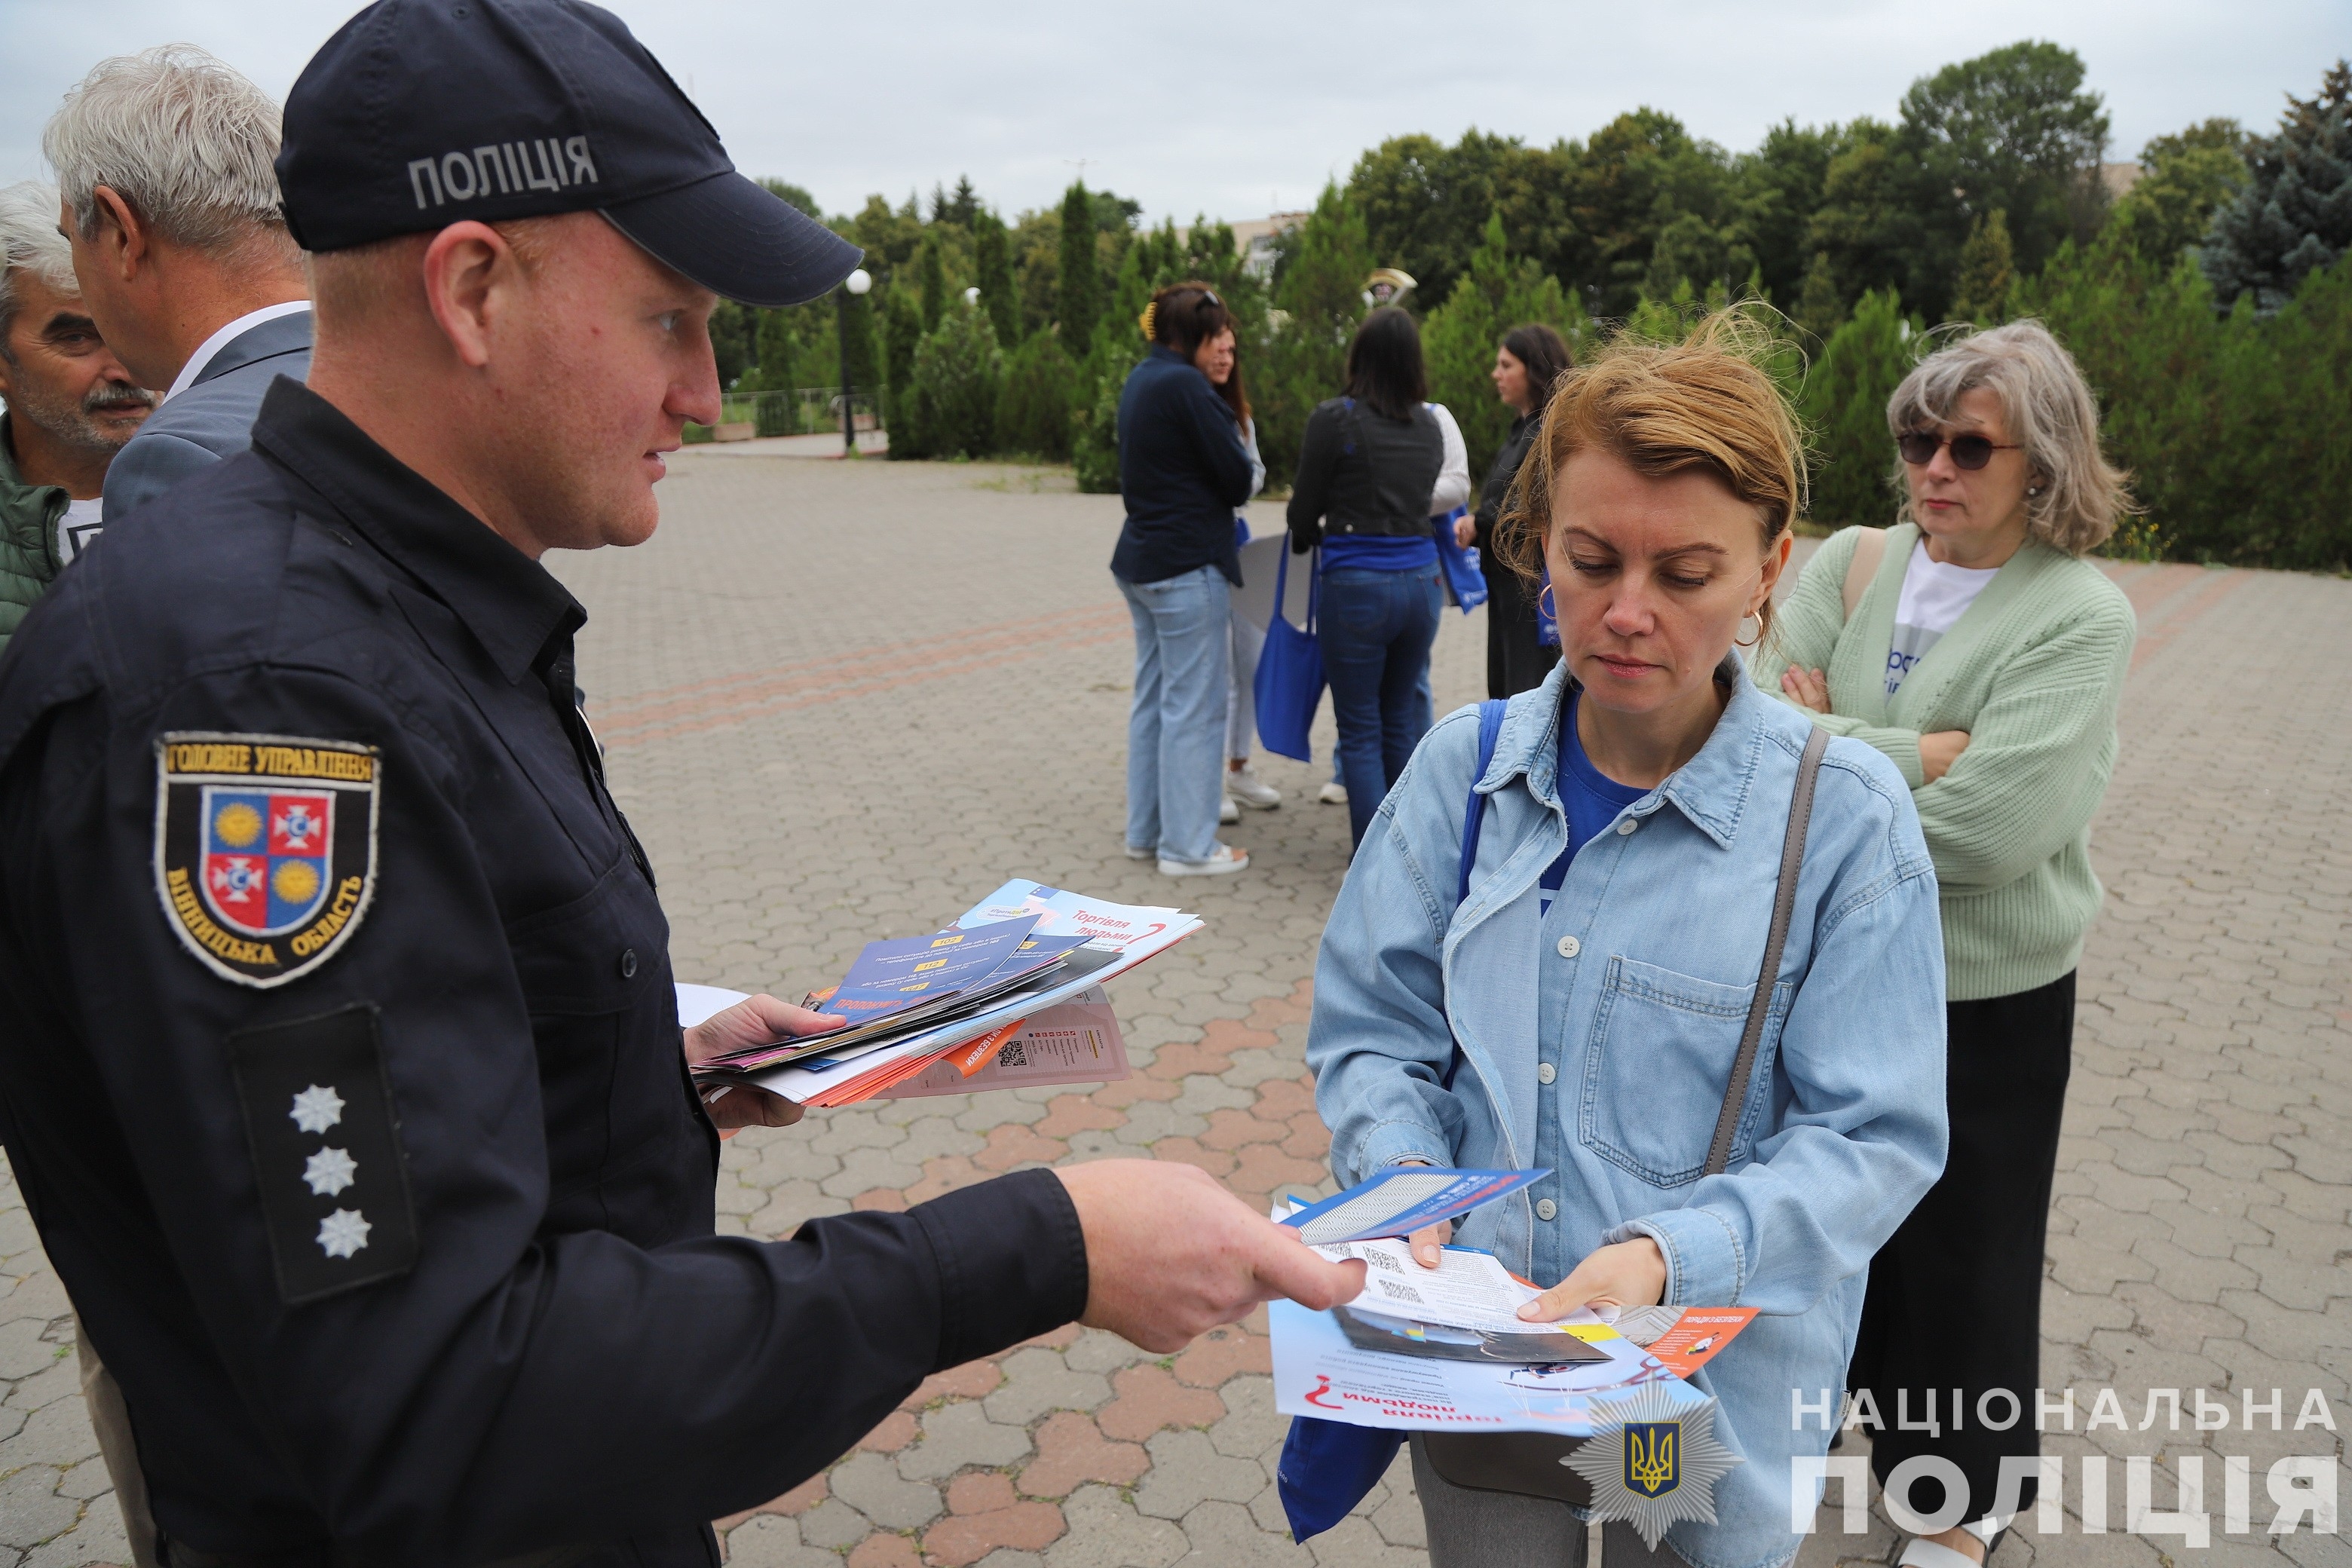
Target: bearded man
x,y
71,404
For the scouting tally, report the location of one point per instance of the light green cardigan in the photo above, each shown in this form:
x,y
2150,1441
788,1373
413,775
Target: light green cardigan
x,y
2033,672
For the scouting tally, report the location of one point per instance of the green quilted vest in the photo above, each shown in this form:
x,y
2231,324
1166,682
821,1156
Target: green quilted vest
x,y
28,538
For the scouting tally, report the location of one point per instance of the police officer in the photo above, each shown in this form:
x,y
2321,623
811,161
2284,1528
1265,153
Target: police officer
x,y
342,1072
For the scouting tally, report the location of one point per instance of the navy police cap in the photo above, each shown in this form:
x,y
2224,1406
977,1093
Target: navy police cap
x,y
418,114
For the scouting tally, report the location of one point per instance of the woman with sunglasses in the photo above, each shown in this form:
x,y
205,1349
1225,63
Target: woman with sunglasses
x,y
1974,646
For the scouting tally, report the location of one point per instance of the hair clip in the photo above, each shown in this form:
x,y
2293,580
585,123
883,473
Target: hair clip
x,y
1148,321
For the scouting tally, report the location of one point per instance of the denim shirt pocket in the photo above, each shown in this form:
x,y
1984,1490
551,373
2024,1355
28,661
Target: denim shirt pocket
x,y
1658,1063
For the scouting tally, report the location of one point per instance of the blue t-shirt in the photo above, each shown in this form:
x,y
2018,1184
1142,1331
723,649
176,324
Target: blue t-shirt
x,y
1592,798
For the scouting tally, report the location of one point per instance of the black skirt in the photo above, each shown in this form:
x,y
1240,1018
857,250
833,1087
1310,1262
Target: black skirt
x,y
1955,1296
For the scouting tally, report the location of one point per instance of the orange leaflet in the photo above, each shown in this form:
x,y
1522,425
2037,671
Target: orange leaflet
x,y
983,1049
1697,1335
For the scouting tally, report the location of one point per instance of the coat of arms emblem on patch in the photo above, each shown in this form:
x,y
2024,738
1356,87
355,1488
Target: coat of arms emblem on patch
x,y
1653,1461
265,849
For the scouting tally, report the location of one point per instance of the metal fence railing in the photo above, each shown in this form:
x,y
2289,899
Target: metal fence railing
x,y
804,411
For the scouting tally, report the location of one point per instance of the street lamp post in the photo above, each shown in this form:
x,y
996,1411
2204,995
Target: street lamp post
x,y
857,283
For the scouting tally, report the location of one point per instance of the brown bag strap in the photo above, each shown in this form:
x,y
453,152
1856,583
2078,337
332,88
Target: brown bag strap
x,y
1868,552
1784,909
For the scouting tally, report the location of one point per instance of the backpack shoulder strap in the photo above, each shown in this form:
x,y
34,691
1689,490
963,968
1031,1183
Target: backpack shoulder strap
x,y
1868,552
1784,906
1474,813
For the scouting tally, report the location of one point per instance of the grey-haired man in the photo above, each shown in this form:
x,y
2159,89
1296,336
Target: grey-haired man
x,y
71,404
171,204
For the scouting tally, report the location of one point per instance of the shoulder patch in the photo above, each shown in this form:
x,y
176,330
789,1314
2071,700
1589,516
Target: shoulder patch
x,y
326,1151
265,849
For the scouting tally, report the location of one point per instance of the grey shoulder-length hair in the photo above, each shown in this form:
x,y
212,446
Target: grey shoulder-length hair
x,y
184,140
2049,411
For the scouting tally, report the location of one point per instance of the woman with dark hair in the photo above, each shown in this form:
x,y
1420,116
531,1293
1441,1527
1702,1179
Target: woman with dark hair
x,y
1367,470
1222,364
1182,470
1527,362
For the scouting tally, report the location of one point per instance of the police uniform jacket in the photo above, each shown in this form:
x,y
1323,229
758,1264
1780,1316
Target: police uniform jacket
x,y
343,1071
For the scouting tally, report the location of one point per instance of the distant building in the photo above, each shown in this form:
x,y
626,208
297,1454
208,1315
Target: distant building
x,y
2118,178
1257,237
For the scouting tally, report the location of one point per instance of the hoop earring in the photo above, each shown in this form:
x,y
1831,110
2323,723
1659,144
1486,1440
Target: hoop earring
x,y
1541,594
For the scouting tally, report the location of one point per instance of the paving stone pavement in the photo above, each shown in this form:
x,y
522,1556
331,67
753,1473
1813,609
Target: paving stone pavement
x,y
842,700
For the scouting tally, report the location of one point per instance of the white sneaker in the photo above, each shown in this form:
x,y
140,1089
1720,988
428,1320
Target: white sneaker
x,y
1227,812
1222,861
1242,784
1334,792
1143,852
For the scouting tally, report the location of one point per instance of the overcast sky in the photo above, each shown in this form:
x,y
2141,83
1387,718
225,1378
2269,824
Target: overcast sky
x,y
1239,109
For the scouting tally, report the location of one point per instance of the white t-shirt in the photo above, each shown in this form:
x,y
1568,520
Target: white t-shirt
x,y
1935,596
77,528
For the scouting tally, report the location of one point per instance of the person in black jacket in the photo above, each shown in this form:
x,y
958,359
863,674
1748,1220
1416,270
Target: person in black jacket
x,y
1182,470
1366,470
342,1070
1527,362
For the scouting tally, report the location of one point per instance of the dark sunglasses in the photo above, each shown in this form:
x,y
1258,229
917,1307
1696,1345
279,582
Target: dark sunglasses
x,y
1920,447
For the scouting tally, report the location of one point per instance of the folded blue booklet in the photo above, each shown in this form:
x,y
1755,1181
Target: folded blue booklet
x,y
892,976
1402,1200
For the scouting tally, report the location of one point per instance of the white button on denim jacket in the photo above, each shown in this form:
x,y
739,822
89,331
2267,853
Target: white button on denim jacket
x,y
1844,1128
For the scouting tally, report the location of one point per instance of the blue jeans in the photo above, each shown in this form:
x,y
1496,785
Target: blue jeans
x,y
1376,628
1176,729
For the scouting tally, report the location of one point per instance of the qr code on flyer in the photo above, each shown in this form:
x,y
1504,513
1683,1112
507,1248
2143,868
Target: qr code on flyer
x,y
1013,1055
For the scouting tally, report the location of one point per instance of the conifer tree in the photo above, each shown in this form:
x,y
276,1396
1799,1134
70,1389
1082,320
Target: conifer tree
x,y
1819,308
933,275
775,374
1844,404
959,376
902,334
856,348
1118,345
2294,215
1081,301
993,262
1988,266
1319,292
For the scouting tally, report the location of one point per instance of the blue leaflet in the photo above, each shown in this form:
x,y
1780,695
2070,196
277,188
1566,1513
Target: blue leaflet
x,y
1402,1200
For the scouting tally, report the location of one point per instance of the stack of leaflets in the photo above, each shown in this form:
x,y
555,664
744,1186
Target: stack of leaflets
x,y
1445,1348
1026,957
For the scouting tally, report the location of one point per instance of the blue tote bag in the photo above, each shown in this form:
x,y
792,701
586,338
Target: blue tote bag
x,y
1465,583
1289,685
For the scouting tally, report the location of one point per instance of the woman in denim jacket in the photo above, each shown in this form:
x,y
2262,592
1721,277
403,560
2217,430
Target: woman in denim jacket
x,y
1582,1008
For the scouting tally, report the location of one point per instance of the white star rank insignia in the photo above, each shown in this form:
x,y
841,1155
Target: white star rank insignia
x,y
316,1110
330,1171
344,1232
1653,1461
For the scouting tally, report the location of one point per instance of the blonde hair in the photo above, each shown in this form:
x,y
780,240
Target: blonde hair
x,y
1703,404
2048,410
350,285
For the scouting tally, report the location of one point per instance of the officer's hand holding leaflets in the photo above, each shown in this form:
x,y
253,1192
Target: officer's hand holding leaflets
x,y
1169,1260
755,1020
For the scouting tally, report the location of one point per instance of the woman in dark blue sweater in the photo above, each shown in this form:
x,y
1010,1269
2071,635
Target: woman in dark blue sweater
x,y
1182,470
1366,470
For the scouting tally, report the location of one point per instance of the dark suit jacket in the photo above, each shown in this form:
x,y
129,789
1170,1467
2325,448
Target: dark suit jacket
x,y
213,418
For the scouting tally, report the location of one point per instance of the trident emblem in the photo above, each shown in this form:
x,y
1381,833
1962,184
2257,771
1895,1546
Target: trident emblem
x,y
1652,1456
